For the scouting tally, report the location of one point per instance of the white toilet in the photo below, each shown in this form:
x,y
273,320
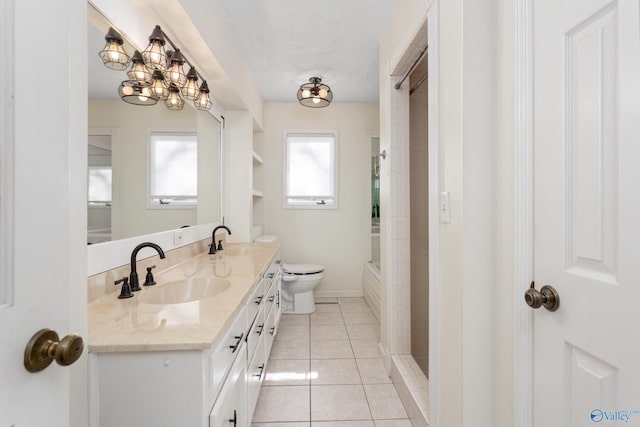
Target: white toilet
x,y
298,283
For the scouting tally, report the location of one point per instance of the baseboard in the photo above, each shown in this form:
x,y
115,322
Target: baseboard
x,y
338,293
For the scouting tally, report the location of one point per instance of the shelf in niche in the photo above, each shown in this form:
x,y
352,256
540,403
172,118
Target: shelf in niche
x,y
257,160
257,193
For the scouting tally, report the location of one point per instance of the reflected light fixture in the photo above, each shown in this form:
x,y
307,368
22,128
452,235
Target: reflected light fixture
x,y
155,56
175,70
156,73
159,87
203,101
139,71
174,102
315,94
113,55
190,90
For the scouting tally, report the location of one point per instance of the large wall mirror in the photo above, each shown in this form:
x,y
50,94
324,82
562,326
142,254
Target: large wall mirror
x,y
121,164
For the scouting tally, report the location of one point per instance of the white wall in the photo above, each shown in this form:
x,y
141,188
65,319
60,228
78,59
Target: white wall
x,y
336,239
130,215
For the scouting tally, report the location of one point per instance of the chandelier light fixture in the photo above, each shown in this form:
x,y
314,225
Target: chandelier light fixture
x,y
155,73
315,94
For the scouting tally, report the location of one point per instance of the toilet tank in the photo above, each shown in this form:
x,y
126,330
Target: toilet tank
x,y
266,239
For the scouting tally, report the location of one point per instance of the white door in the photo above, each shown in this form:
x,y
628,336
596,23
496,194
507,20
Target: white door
x,y
42,255
586,82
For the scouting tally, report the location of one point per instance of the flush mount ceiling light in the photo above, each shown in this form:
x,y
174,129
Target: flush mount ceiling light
x,y
155,73
136,93
315,94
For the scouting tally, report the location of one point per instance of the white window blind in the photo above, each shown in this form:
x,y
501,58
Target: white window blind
x,y
310,175
173,169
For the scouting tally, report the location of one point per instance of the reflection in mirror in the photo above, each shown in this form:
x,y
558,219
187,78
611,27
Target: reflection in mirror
x,y
119,204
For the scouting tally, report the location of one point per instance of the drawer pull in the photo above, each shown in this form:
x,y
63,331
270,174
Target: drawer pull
x,y
259,299
272,330
237,344
259,375
270,275
234,420
259,329
271,298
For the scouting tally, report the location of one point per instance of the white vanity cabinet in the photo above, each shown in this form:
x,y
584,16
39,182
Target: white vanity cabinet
x,y
188,387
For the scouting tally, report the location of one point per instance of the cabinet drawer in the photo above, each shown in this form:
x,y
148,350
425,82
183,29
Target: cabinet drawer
x,y
256,332
226,352
270,330
230,407
256,371
255,301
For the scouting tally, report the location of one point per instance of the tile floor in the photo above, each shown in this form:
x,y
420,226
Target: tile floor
x,y
324,370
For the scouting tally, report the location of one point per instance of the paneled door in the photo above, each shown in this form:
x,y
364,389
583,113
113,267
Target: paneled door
x,y
586,89
42,187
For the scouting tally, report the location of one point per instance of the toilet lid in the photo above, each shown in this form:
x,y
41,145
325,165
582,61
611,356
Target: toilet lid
x,y
303,269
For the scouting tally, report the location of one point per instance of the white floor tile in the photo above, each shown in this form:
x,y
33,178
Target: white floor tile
x,y
283,403
287,372
372,371
339,402
360,318
290,349
363,332
384,402
331,349
334,371
319,318
365,349
328,332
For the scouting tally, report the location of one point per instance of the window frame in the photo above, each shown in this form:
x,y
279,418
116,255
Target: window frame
x,y
152,201
311,204
96,203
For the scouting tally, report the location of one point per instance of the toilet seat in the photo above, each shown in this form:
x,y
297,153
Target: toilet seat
x,y
303,269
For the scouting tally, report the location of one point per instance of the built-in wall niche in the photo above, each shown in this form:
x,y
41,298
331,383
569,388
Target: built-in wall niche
x,y
128,127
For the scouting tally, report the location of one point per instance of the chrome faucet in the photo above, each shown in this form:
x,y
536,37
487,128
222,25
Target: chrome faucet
x,y
133,276
212,247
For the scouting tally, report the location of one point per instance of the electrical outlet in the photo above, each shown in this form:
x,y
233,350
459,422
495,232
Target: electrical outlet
x,y
178,237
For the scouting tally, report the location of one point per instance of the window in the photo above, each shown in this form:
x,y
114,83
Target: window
x,y
99,186
173,169
310,170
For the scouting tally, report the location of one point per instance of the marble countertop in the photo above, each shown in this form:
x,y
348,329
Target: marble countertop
x,y
126,325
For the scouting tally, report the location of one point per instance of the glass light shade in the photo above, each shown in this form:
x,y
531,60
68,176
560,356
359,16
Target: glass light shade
x,y
203,101
113,55
139,72
315,94
159,87
174,73
174,102
155,56
190,90
136,93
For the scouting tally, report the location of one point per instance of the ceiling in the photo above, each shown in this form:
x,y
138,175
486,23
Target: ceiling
x,y
286,44
287,41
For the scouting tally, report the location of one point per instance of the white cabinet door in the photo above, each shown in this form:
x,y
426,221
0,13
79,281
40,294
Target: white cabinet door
x,y
230,409
587,209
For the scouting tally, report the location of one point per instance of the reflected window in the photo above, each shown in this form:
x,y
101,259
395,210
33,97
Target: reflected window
x,y
310,171
99,185
173,169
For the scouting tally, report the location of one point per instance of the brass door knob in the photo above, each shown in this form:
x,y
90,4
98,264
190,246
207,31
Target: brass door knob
x,y
45,346
547,296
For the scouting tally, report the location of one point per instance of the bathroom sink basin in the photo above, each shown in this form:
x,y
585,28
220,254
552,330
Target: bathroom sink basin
x,y
243,251
181,291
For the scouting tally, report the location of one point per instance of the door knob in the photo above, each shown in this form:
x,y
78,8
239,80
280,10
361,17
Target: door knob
x,y
547,296
45,346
